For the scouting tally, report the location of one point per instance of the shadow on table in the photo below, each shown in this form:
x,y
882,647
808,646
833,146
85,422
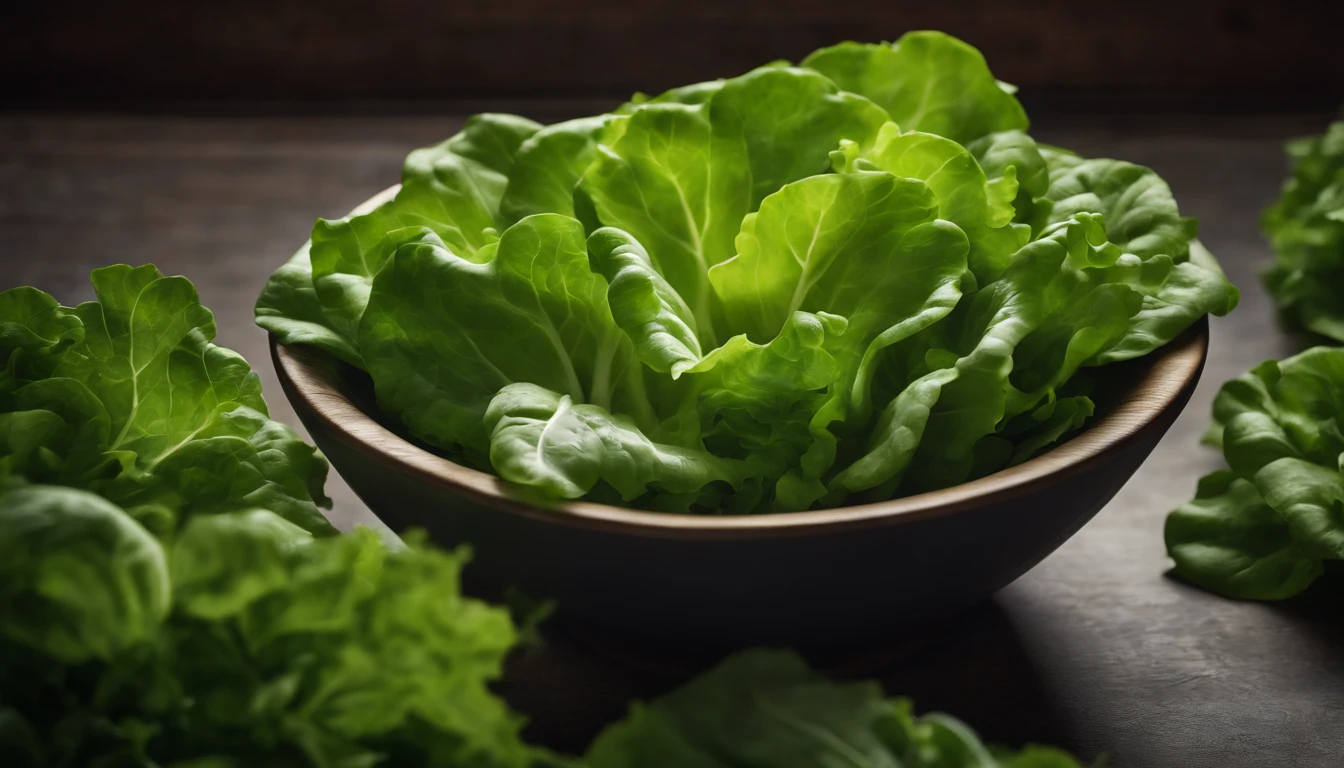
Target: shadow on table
x,y
1319,612
974,667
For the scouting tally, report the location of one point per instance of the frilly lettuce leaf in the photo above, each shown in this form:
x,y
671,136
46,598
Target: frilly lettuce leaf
x,y
1292,453
1305,227
982,210
1228,540
644,305
1003,351
241,640
762,709
453,188
1261,530
547,441
443,334
745,269
680,178
126,396
1142,218
926,81
548,165
79,579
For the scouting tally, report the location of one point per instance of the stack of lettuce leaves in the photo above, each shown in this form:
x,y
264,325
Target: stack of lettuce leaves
x,y
1264,528
170,593
1305,227
807,286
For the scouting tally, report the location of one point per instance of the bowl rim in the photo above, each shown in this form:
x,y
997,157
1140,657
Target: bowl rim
x,y
311,385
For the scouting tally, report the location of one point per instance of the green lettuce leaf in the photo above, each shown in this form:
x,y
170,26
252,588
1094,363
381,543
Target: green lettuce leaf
x,y
1228,540
1305,227
1142,218
1003,351
1261,530
645,306
745,270
242,641
548,165
443,334
766,709
1292,455
143,409
453,188
79,579
926,81
546,441
984,211
681,178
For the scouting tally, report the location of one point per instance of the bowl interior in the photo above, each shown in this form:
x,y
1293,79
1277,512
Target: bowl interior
x,y
1129,397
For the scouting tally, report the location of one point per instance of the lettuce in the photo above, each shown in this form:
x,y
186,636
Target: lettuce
x,y
242,640
172,594
1305,227
766,709
807,285
1262,529
126,397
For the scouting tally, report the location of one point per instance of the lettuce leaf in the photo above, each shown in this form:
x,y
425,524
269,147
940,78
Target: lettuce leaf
x,y
1305,227
926,81
127,397
766,709
1262,529
241,641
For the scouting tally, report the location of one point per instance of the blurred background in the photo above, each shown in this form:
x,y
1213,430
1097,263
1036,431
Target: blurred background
x,y
1226,54
206,138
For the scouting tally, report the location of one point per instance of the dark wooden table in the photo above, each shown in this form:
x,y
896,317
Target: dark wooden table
x,y
1097,649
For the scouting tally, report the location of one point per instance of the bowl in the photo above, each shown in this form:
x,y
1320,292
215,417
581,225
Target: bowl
x,y
815,579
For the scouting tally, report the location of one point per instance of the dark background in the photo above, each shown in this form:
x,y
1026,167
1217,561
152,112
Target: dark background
x,y
207,137
1228,54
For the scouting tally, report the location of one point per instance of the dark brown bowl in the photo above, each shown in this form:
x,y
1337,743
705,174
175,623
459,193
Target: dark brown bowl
x,y
821,578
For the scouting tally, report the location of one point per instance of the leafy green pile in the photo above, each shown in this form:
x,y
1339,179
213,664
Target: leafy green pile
x,y
242,640
1261,529
814,285
766,709
126,397
1305,226
171,594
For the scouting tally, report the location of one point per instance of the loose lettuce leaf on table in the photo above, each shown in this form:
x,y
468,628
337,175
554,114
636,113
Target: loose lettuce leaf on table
x,y
79,579
1261,529
681,178
766,709
132,400
241,641
855,218
1305,227
546,441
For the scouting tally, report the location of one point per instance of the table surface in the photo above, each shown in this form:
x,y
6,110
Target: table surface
x,y
1097,649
